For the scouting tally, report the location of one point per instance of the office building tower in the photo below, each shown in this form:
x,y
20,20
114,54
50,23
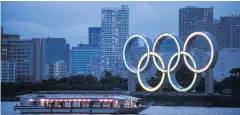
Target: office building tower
x,y
82,55
94,66
226,31
222,34
94,35
200,42
22,57
230,27
38,60
8,66
8,71
190,18
70,62
228,59
58,69
67,61
114,33
54,50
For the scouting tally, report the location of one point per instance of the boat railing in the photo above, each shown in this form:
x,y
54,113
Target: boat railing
x,y
82,92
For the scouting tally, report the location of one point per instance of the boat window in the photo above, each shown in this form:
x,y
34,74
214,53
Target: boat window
x,y
84,104
35,103
67,104
96,104
57,104
107,104
49,104
76,104
127,104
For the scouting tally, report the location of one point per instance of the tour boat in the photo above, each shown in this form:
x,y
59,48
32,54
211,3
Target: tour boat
x,y
79,102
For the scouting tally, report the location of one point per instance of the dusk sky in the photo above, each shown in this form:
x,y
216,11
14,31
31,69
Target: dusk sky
x,y
71,20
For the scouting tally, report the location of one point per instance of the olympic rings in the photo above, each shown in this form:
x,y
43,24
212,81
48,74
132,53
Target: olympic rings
x,y
210,40
213,59
173,80
126,50
158,42
142,82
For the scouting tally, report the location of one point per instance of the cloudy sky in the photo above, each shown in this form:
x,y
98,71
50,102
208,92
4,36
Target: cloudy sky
x,y
72,19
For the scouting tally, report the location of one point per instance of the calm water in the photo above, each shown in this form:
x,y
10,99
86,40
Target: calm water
x,y
7,109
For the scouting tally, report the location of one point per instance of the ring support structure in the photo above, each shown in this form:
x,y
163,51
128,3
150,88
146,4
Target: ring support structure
x,y
181,50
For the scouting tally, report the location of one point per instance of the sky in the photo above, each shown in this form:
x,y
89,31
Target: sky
x,y
70,20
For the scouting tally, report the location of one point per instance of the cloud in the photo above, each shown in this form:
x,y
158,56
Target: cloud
x,y
74,34
72,19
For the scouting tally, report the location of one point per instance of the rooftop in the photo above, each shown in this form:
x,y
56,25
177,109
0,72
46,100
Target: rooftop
x,y
78,96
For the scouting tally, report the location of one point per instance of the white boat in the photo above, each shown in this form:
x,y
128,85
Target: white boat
x,y
78,102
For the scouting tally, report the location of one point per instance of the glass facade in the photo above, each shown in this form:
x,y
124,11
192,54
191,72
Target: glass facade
x,y
81,57
94,35
190,19
114,33
55,50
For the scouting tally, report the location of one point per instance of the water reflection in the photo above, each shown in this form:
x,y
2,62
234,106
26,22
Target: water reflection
x,y
7,109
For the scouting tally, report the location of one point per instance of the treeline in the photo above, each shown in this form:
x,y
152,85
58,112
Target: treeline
x,y
108,82
72,83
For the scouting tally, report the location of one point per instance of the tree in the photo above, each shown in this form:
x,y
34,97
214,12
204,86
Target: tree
x,y
235,72
184,76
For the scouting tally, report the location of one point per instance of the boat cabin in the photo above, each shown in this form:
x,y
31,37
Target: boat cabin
x,y
79,100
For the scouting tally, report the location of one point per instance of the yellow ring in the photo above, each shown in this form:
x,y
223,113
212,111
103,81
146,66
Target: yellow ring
x,y
144,83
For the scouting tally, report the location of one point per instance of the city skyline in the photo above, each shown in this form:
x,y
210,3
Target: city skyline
x,y
111,37
74,26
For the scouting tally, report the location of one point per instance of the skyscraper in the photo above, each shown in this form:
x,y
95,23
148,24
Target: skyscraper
x,y
81,56
114,33
191,16
94,35
20,58
8,71
68,57
54,50
226,31
228,58
58,70
231,26
94,65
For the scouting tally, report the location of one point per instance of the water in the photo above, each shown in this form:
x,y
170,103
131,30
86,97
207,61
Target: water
x,y
7,109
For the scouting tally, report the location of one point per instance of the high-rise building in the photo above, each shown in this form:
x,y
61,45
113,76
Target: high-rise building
x,y
58,69
228,59
82,55
21,57
94,35
8,73
226,31
70,61
190,18
38,60
230,26
68,57
114,33
54,50
94,65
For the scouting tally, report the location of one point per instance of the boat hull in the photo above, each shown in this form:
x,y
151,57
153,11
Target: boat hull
x,y
36,110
